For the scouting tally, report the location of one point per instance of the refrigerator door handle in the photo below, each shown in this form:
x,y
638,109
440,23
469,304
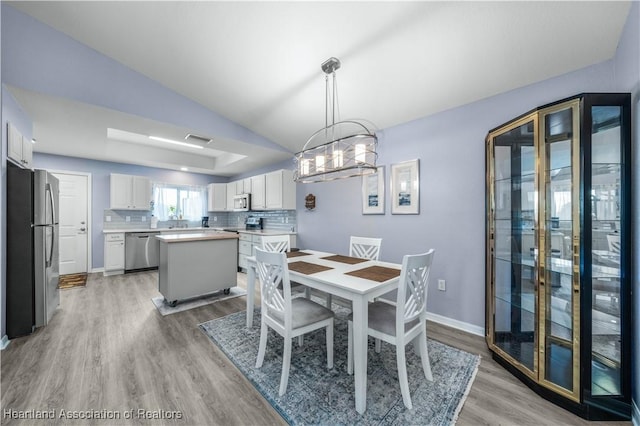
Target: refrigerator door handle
x,y
53,206
53,238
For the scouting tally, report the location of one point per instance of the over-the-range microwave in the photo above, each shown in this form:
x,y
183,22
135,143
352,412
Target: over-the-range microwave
x,y
241,203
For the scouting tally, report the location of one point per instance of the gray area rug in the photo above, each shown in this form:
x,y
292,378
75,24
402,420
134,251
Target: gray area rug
x,y
165,309
316,395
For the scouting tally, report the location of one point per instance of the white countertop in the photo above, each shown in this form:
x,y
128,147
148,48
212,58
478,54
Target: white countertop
x,y
266,232
193,229
199,230
201,236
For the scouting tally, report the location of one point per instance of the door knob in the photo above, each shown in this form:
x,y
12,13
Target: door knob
x,y
83,229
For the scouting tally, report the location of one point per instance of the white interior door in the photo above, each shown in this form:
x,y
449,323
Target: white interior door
x,y
73,218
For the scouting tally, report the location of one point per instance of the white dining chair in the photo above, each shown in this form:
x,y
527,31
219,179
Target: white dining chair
x,y
286,316
364,248
277,243
280,243
403,322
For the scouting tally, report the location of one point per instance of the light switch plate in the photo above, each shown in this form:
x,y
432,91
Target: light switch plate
x,y
442,286
144,218
127,219
108,218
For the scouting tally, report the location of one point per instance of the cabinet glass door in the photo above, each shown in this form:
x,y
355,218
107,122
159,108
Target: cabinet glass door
x,y
559,258
514,243
605,244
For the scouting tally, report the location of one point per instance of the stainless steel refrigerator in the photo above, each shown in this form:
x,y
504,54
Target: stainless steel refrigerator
x,y
32,249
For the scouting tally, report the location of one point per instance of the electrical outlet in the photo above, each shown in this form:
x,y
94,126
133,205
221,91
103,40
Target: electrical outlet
x,y
144,218
442,285
215,218
286,219
282,219
108,218
127,219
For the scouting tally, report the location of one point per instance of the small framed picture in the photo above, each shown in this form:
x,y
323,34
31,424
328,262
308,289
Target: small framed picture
x,y
373,192
405,187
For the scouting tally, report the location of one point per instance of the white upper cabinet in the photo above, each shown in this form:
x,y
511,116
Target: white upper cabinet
x,y
270,191
280,190
257,193
217,197
231,192
246,186
19,148
130,192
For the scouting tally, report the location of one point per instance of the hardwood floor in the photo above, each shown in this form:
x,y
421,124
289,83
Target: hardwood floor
x,y
108,351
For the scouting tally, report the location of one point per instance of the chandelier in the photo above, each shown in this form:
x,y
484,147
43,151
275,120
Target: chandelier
x,y
339,150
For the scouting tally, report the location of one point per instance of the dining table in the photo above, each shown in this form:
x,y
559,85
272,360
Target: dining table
x,y
354,279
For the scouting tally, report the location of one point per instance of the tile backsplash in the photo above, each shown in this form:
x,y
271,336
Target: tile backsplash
x,y
133,219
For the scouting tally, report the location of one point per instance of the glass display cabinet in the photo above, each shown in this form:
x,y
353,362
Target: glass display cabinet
x,y
558,297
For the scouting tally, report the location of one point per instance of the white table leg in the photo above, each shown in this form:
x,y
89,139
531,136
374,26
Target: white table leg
x,y
360,325
251,285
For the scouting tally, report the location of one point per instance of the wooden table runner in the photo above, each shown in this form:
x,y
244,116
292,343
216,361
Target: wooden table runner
x,y
307,268
291,254
345,259
375,273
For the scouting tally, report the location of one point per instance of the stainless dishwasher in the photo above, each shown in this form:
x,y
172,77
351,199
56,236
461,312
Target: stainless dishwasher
x,y
141,250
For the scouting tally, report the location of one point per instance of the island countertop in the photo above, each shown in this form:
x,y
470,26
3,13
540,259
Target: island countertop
x,y
201,236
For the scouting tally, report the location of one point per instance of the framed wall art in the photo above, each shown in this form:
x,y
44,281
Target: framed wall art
x,y
405,187
373,192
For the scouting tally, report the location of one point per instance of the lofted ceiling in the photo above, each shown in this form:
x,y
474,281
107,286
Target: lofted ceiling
x,y
258,63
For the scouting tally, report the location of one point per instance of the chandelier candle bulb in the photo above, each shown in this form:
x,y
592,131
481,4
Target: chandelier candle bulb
x,y
304,167
360,153
338,158
320,163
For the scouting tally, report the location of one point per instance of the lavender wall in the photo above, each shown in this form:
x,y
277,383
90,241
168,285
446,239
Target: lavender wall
x,y
100,183
41,59
627,69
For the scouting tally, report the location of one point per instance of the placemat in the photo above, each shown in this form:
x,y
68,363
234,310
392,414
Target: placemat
x,y
345,259
307,268
291,254
375,273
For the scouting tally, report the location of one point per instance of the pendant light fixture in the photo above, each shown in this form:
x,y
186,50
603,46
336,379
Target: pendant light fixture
x,y
339,150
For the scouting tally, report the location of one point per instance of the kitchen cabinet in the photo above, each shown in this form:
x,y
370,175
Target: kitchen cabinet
x,y
19,148
248,243
114,253
558,249
217,197
130,192
270,191
247,186
258,201
231,192
280,190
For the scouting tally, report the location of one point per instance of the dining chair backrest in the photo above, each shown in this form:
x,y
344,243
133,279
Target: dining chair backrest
x,y
365,248
278,243
412,290
272,270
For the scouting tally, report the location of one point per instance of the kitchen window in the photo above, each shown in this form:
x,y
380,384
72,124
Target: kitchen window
x,y
173,201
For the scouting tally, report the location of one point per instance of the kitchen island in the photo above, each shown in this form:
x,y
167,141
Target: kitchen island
x,y
193,265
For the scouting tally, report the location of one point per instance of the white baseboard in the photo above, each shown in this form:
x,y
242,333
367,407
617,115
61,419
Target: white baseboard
x,y
96,270
4,342
460,325
635,413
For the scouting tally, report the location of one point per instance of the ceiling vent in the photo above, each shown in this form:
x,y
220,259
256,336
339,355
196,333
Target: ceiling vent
x,y
201,140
